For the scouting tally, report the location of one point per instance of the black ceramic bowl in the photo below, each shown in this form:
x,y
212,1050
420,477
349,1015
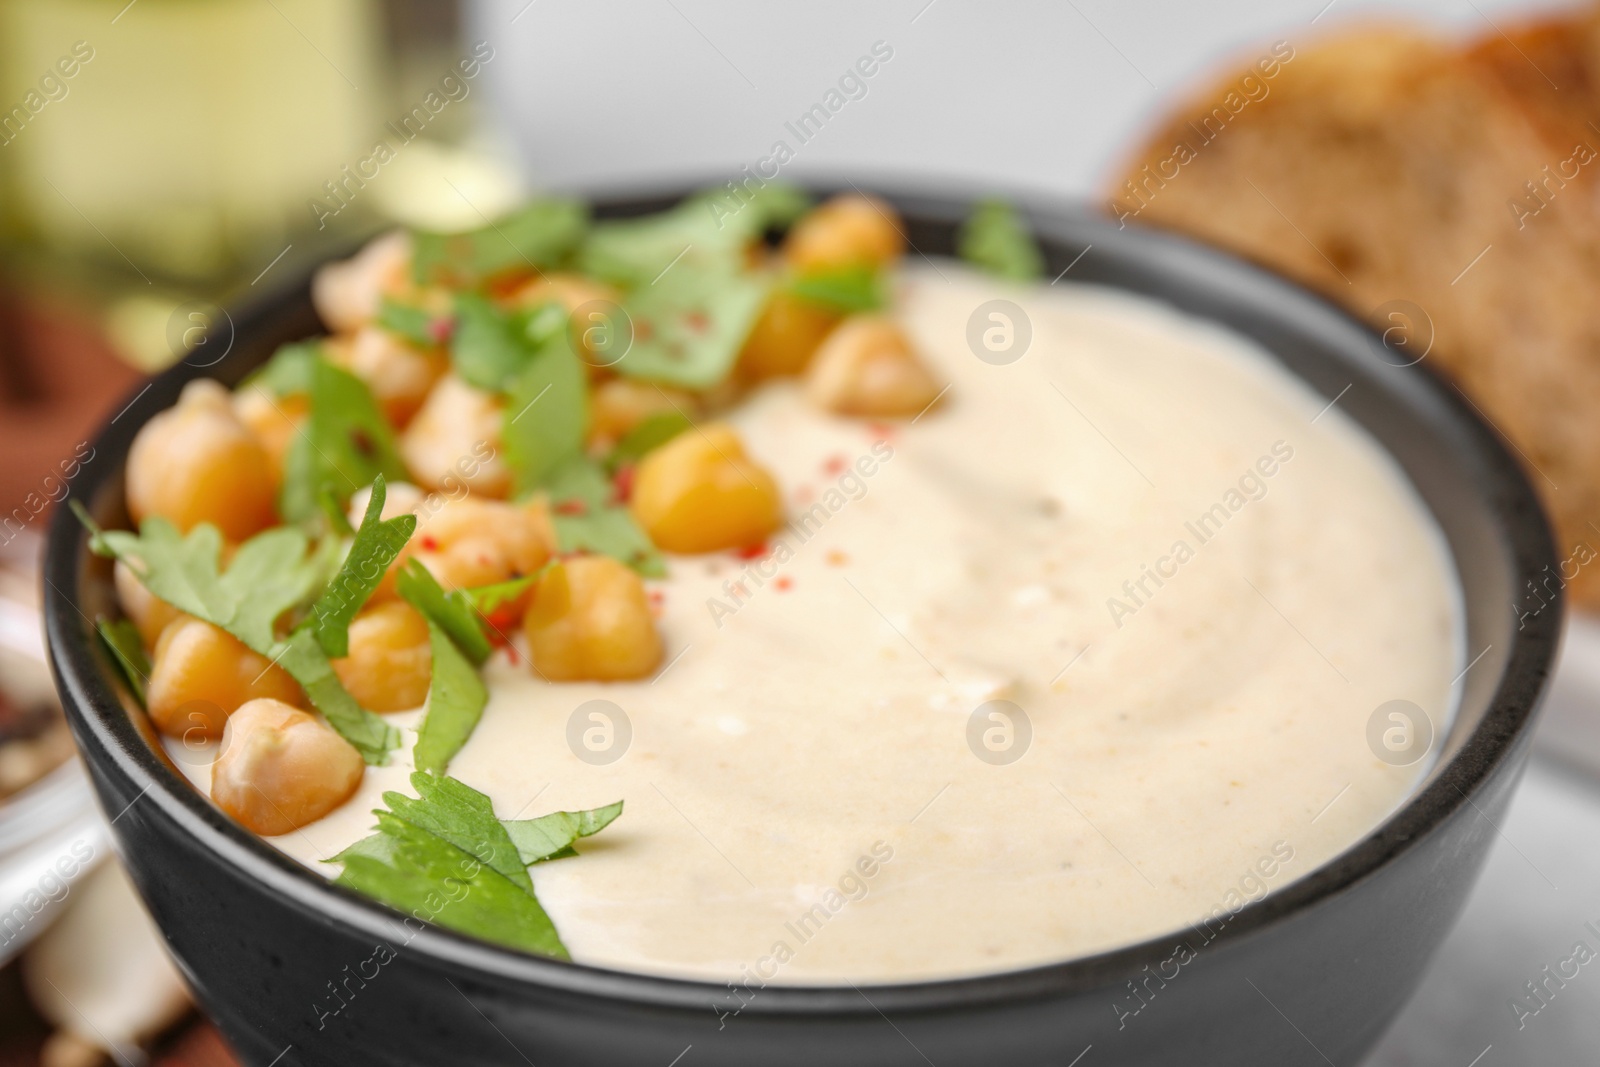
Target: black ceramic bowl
x,y
292,967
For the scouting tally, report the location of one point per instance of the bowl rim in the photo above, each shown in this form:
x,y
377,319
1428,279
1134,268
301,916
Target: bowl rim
x,y
109,735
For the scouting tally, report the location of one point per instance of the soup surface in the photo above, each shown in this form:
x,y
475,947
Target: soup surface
x,y
1084,655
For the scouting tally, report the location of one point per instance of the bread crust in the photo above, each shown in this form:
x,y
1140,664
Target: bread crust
x,y
1449,191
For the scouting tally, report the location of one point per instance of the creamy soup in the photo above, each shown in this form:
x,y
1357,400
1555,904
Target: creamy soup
x,y
1084,655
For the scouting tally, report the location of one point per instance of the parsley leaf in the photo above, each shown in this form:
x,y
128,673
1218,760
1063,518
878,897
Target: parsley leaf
x,y
995,238
452,612
689,326
345,444
651,433
589,518
303,658
122,638
288,372
486,347
551,836
846,290
377,543
414,324
270,574
453,810
547,410
444,857
456,699
536,237
425,876
487,599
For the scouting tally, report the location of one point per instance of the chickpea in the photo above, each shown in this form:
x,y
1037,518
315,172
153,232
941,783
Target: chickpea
x,y
847,231
282,769
274,420
197,462
348,294
455,438
391,658
150,614
785,337
572,291
471,542
868,369
590,620
618,405
399,375
200,674
466,541
699,492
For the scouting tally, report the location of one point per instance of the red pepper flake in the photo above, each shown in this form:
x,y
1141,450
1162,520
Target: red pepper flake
x,y
784,584
755,551
657,597
575,506
881,430
511,654
836,465
622,484
428,544
697,321
363,442
804,495
441,329
836,558
643,330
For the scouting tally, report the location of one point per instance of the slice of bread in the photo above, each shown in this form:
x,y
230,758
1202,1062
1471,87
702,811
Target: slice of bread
x,y
1450,195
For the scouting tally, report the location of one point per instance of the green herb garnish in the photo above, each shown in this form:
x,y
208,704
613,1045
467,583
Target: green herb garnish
x,y
452,612
995,238
122,638
377,543
847,290
288,372
444,857
547,409
418,326
487,599
551,836
534,238
346,443
456,699
689,326
588,517
271,574
488,348
652,432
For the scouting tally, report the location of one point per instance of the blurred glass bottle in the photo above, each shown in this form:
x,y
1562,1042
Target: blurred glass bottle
x,y
179,139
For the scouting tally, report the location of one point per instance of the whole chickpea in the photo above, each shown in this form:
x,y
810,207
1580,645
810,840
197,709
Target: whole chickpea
x,y
618,405
785,337
465,541
348,294
197,462
390,664
847,231
399,375
699,492
281,769
275,420
572,291
455,438
869,369
590,620
199,674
